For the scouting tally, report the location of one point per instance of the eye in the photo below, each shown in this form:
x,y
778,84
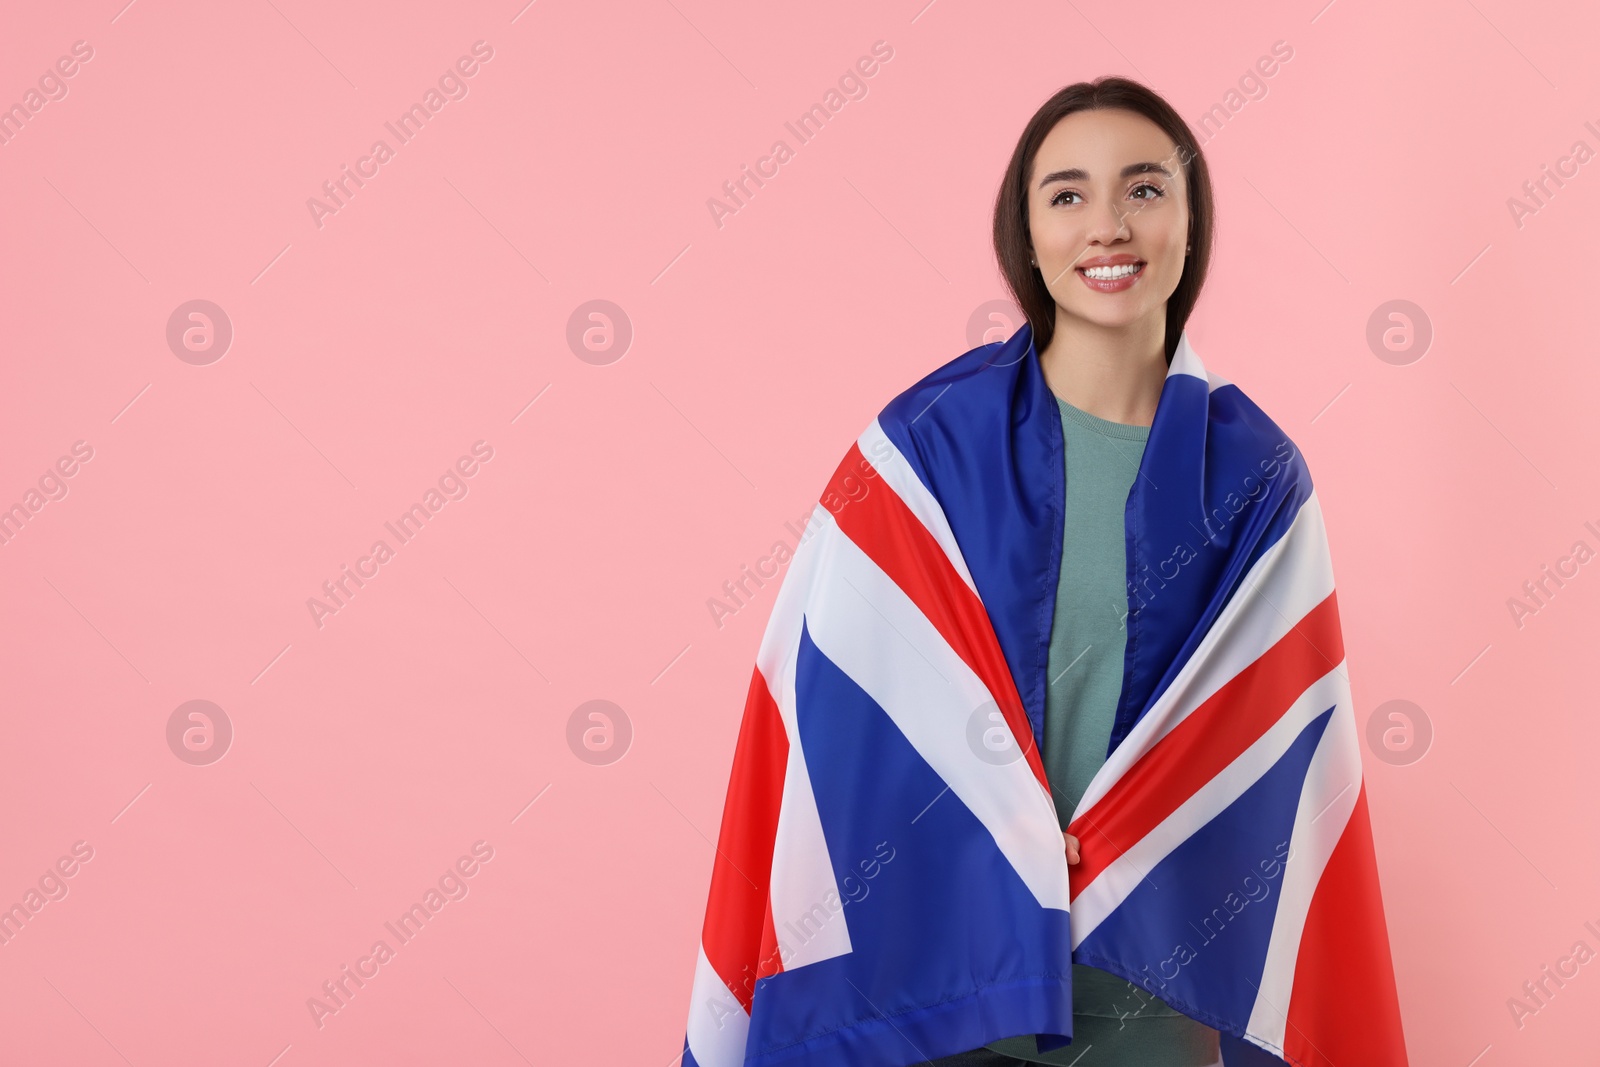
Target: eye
x,y
1055,201
1156,189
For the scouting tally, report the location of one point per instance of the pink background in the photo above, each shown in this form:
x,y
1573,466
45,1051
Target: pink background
x,y
370,352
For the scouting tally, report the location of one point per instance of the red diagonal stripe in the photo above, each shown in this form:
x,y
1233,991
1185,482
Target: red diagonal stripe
x,y
1203,744
873,516
1344,1008
736,914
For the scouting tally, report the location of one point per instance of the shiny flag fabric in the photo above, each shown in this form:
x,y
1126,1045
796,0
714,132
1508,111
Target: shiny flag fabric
x,y
890,883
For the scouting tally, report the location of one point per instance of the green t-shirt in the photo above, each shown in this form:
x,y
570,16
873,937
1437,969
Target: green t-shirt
x,y
1114,1022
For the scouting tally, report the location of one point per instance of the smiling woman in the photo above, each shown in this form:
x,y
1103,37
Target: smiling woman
x,y
1105,174
992,647
1103,228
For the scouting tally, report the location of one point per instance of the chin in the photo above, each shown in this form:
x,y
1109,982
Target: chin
x,y
1110,318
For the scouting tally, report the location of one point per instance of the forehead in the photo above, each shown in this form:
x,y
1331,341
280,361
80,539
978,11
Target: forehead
x,y
1102,142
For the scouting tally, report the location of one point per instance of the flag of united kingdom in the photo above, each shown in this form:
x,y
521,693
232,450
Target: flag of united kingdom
x,y
1227,862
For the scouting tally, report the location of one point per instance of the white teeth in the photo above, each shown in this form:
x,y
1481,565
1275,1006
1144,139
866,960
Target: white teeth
x,y
1106,274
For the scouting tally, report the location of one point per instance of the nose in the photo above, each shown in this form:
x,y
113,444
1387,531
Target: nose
x,y
1109,223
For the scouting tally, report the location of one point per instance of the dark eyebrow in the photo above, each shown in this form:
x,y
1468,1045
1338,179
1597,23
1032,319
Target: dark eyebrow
x,y
1078,174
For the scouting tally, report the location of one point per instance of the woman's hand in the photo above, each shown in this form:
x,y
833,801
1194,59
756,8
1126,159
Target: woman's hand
x,y
1072,847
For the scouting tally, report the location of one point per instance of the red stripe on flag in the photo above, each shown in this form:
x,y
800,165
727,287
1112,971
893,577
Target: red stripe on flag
x,y
1203,744
1344,1008
873,516
738,911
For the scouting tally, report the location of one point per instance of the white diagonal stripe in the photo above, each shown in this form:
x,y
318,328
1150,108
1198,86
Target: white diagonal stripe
x,y
1101,897
1291,578
893,467
802,879
1333,783
899,658
718,1026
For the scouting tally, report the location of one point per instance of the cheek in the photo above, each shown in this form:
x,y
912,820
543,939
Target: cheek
x,y
1059,252
1056,236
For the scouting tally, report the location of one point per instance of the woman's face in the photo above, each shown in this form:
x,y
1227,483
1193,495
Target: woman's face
x,y
1107,191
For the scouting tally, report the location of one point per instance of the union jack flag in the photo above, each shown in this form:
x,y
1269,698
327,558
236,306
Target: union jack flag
x,y
890,883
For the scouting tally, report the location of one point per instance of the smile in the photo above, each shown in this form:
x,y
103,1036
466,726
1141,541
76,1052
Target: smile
x,y
1111,279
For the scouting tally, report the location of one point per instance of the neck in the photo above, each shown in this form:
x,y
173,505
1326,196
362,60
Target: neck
x,y
1115,373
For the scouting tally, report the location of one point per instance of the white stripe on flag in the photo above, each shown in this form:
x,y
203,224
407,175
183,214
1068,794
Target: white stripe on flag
x,y
1102,896
802,880
867,626
1185,360
1290,578
1333,782
893,467
718,1026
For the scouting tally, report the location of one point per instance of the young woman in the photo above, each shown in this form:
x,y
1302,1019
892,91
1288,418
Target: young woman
x,y
1103,232
1072,569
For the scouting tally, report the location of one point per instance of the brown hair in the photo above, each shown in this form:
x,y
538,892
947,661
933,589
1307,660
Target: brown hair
x,y
1011,240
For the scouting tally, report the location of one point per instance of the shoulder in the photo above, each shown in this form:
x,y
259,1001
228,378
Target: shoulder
x,y
968,392
1239,425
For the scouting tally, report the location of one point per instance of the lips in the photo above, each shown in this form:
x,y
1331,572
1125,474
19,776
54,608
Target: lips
x,y
1111,274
